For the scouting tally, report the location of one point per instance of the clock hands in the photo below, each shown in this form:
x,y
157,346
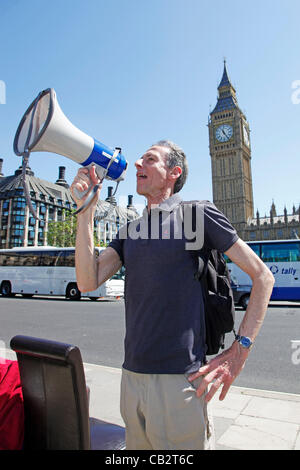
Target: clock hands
x,y
226,135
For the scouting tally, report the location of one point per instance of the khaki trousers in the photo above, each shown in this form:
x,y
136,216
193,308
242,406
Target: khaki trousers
x,y
162,412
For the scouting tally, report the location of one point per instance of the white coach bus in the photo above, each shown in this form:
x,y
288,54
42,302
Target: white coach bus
x,y
283,259
49,271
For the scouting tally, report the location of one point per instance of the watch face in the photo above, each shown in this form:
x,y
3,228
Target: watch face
x,y
224,132
245,341
246,136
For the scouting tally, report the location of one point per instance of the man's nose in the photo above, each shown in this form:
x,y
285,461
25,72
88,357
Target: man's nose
x,y
138,163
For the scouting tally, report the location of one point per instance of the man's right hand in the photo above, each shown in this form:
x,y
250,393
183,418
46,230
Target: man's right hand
x,y
84,180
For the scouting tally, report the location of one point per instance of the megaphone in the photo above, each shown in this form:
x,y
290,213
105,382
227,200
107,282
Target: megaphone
x,y
45,128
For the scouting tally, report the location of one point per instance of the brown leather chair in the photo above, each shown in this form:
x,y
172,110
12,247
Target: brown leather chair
x,y
56,400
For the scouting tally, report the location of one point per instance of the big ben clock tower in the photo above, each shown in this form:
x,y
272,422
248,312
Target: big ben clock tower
x,y
230,151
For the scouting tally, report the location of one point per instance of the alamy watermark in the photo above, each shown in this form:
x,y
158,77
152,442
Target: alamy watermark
x,y
295,344
2,352
295,96
2,92
184,223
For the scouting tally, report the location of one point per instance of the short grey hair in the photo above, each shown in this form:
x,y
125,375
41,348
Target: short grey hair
x,y
176,157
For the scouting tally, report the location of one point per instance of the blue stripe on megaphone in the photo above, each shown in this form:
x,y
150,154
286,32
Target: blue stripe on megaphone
x,y
101,155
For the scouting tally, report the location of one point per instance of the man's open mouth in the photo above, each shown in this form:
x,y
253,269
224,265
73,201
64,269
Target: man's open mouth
x,y
141,176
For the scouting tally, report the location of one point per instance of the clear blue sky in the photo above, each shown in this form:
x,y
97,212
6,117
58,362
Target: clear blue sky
x,y
131,72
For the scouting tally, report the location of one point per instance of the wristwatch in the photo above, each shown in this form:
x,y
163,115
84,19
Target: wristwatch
x,y
244,341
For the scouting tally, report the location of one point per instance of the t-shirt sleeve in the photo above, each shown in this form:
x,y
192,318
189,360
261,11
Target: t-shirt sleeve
x,y
219,234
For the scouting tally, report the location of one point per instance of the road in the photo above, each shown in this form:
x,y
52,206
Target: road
x,y
97,328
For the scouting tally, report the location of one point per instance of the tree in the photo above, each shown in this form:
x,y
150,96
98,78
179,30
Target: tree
x,y
63,233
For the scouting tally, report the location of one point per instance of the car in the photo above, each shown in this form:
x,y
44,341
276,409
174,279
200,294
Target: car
x,y
241,293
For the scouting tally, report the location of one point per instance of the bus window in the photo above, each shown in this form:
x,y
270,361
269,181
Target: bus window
x,y
70,259
3,259
66,258
275,252
10,259
49,258
256,248
29,258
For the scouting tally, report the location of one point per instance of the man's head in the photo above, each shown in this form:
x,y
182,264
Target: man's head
x,y
161,170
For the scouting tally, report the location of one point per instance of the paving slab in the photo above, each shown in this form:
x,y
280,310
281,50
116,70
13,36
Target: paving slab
x,y
252,433
273,409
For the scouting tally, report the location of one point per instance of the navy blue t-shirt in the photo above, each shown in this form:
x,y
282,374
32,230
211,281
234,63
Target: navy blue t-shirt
x,y
165,322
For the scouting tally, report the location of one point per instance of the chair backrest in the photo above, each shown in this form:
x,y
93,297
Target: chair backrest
x,y
54,392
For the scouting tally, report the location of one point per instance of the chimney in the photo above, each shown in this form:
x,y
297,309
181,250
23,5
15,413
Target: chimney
x,y
61,177
129,205
1,163
110,198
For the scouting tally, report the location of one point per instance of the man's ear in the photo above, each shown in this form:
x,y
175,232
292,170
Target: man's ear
x,y
175,172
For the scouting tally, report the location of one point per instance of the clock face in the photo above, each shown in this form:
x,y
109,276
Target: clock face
x,y
246,136
224,132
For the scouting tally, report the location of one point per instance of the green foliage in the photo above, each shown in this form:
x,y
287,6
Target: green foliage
x,y
63,233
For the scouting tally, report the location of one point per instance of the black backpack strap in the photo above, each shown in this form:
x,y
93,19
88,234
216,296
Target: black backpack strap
x,y
203,256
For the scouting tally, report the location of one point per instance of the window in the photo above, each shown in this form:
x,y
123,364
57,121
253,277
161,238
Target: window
x,y
255,247
19,258
280,234
19,203
49,258
66,258
276,252
29,258
18,218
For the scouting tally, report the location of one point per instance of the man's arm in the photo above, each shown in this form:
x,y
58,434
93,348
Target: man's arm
x,y
224,368
91,271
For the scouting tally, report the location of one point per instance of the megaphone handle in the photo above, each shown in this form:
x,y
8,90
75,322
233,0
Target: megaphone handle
x,y
90,198
101,173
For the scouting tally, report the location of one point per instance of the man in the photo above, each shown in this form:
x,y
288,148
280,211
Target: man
x,y
164,377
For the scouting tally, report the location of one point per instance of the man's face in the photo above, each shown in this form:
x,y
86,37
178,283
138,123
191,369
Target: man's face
x,y
152,172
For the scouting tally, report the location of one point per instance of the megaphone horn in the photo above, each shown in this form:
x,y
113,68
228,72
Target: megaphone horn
x,y
45,128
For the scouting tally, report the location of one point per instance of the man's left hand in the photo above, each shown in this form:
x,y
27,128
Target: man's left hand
x,y
222,369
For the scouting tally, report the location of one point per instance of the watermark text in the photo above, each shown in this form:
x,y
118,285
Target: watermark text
x,y
2,92
295,96
295,345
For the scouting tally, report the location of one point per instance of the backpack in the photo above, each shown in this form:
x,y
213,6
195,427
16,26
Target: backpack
x,y
218,299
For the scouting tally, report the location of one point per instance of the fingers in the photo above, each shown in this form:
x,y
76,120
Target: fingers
x,y
215,377
93,175
83,181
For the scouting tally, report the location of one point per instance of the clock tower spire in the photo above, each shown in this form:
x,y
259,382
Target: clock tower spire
x,y
230,152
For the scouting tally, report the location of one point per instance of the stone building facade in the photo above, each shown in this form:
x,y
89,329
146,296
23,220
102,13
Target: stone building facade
x,y
52,202
230,152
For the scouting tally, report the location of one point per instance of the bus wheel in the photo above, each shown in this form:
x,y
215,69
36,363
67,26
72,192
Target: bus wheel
x,y
244,301
73,293
6,289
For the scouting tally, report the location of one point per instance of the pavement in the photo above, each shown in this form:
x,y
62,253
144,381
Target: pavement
x,y
248,419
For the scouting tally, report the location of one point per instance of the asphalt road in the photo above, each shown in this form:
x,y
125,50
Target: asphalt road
x,y
98,329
